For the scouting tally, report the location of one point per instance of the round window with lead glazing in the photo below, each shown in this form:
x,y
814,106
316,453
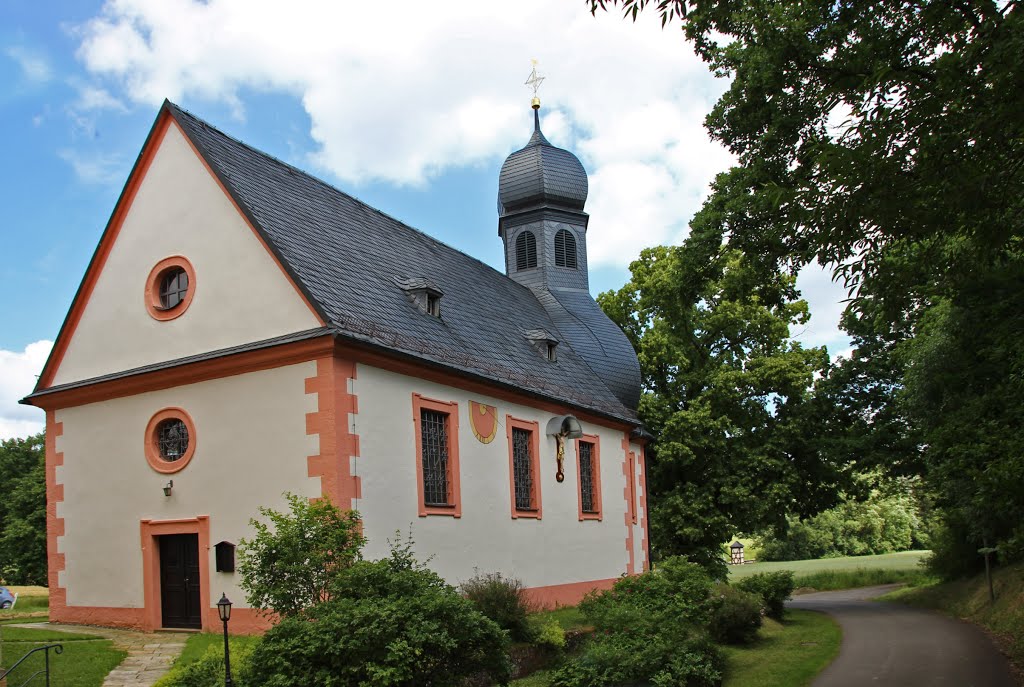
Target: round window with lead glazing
x,y
170,440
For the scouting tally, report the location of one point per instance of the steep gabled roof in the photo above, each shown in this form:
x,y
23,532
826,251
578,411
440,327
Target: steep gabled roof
x,y
350,260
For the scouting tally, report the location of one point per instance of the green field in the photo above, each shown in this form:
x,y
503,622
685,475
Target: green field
x,y
85,661
904,560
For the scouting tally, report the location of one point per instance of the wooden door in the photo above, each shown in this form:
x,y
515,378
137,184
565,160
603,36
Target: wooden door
x,y
179,581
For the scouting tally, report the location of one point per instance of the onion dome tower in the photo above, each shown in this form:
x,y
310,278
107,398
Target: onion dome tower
x,y
542,190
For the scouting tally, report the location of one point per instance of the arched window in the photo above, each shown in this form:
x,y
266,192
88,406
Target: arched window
x,y
526,251
565,249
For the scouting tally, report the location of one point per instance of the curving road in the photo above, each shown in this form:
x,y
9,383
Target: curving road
x,y
890,645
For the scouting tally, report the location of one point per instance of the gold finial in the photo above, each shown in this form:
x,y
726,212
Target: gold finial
x,y
534,82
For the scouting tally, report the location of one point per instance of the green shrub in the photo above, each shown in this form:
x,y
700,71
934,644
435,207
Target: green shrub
x,y
388,622
775,588
503,600
292,566
648,650
649,629
548,634
208,669
735,615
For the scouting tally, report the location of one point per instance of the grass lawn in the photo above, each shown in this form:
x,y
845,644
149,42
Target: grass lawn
x,y
787,654
902,561
85,662
33,604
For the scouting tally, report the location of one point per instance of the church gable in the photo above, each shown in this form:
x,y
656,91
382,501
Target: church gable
x,y
179,271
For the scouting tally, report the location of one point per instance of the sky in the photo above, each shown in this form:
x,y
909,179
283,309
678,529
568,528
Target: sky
x,y
409,106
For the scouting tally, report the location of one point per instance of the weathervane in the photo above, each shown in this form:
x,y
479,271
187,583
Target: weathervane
x,y
534,82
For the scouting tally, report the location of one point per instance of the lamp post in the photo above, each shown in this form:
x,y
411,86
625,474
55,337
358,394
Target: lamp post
x,y
224,611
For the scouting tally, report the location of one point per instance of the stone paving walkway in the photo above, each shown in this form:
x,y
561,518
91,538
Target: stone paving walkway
x,y
150,654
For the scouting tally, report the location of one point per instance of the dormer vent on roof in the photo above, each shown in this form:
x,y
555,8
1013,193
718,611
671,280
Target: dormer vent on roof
x,y
544,342
422,293
541,174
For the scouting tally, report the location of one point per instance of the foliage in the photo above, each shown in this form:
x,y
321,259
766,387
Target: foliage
x,y
883,523
292,566
386,622
649,628
786,654
773,588
735,614
548,633
886,140
208,669
23,511
725,393
502,599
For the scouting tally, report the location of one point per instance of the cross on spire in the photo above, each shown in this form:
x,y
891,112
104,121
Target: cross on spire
x,y
534,82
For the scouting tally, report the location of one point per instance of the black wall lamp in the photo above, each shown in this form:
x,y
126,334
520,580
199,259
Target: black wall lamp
x,y
169,487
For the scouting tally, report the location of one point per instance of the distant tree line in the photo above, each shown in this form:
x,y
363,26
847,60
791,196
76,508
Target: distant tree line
x,y
23,510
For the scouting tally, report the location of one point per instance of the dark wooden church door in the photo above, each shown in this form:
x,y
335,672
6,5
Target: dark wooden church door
x,y
179,581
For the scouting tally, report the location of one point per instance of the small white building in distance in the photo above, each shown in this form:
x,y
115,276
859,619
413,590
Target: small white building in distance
x,y
245,330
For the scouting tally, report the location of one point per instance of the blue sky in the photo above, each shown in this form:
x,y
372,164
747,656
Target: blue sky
x,y
408,109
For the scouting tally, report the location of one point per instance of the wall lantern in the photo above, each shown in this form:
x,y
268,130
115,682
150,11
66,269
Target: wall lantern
x,y
563,427
225,556
169,487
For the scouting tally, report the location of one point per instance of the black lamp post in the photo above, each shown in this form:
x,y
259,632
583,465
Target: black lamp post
x,y
224,611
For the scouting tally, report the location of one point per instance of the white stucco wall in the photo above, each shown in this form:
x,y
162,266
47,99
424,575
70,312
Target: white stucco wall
x,y
241,295
251,446
557,549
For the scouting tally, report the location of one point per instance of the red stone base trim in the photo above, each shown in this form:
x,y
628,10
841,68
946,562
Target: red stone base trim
x,y
568,594
244,621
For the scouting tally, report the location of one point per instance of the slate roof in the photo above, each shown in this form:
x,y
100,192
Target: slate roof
x,y
541,174
351,260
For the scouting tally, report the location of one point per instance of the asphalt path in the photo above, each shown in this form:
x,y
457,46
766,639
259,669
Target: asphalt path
x,y
890,645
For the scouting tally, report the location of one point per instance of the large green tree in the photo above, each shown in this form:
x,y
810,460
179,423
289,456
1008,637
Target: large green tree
x,y
725,393
886,139
23,510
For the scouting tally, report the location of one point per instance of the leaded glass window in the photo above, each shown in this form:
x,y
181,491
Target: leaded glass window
x,y
173,288
587,477
565,249
434,451
172,439
522,468
526,251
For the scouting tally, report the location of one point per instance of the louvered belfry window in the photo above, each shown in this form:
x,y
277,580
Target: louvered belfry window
x,y
587,477
526,251
522,468
565,249
434,432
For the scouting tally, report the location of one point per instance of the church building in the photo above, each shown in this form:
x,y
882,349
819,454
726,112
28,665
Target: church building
x,y
244,330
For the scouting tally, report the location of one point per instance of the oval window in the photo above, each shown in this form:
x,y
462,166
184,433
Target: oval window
x,y
170,440
170,287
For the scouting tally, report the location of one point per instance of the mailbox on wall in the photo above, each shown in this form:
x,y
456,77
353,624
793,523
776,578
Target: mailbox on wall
x,y
225,554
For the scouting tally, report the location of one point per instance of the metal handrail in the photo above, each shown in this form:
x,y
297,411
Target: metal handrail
x,y
57,649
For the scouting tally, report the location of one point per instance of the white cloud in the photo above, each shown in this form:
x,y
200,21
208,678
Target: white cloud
x,y
18,372
94,168
399,94
33,65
